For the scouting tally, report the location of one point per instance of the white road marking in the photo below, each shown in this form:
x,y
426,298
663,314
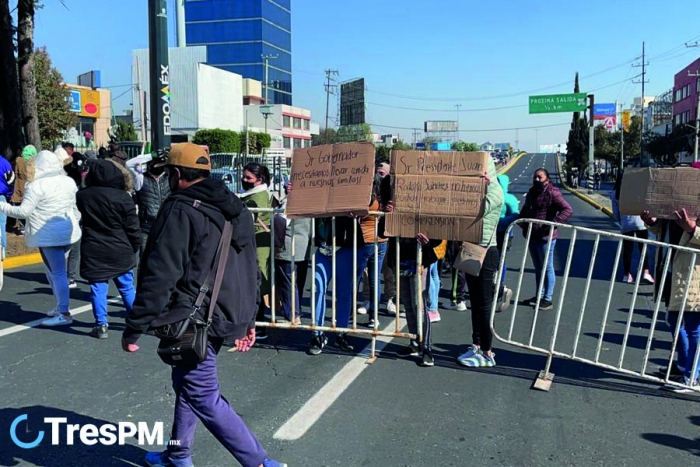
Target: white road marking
x,y
316,406
37,322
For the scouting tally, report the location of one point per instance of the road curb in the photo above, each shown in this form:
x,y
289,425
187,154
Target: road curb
x,y
512,163
607,211
19,261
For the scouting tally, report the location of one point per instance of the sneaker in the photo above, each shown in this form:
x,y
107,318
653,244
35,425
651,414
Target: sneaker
x,y
459,306
52,313
363,309
273,463
434,316
479,360
99,332
471,351
260,334
680,390
317,344
58,320
391,307
427,358
546,304
648,280
372,323
72,284
342,343
628,279
411,350
531,301
504,301
161,459
675,371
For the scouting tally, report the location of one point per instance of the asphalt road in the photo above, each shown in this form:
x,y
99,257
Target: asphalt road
x,y
393,412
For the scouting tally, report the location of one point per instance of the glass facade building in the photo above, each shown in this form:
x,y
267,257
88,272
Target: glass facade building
x,y
238,33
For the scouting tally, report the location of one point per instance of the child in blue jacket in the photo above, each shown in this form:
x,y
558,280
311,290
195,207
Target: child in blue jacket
x,y
509,213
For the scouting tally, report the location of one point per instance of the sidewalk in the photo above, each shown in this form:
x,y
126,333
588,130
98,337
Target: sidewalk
x,y
601,196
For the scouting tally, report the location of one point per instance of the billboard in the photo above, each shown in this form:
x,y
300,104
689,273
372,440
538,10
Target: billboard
x,y
84,102
352,102
91,79
440,126
602,111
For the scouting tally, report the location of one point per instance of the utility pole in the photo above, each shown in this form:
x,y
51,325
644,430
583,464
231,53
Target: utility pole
x,y
267,108
330,89
643,65
622,139
415,137
591,143
697,108
143,114
159,68
517,141
458,107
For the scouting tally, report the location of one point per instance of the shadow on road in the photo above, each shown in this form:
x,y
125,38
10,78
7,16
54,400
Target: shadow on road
x,y
691,446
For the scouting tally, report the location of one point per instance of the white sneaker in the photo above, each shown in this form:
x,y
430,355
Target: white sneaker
x,y
681,390
391,306
72,285
363,309
461,306
52,313
470,353
58,320
504,301
648,279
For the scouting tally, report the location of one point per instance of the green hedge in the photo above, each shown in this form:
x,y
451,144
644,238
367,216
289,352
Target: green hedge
x,y
218,140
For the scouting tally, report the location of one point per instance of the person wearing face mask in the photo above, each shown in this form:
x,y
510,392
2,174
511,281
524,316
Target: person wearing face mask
x,y
255,182
152,192
545,202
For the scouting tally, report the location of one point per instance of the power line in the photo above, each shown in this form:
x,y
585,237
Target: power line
x,y
478,130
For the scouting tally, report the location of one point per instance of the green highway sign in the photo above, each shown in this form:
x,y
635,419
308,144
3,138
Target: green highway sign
x,y
558,103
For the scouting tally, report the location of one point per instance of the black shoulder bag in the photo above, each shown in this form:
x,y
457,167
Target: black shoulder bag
x,y
185,343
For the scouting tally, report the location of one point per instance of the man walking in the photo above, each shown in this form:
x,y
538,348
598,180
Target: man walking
x,y
178,256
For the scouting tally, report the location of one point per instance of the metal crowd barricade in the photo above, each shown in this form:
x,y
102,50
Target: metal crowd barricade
x,y
375,332
554,348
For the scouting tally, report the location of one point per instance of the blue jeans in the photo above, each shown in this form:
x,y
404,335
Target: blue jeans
x,y
343,285
54,258
538,250
3,225
688,338
432,293
365,259
98,296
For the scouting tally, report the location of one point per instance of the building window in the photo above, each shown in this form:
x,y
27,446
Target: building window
x,y
678,95
307,123
297,143
286,142
678,119
285,122
297,123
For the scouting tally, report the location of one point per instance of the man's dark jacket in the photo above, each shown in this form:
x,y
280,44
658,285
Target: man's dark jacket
x,y
150,198
179,254
111,232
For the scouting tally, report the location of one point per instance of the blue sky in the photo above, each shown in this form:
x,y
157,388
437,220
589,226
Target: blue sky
x,y
428,55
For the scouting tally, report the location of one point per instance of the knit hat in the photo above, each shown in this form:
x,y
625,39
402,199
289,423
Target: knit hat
x,y
28,152
90,155
188,155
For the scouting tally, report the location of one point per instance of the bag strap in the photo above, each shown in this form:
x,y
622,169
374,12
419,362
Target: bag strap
x,y
219,266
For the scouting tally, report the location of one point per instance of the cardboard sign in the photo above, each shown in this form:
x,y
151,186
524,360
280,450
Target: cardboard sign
x,y
660,191
440,194
330,180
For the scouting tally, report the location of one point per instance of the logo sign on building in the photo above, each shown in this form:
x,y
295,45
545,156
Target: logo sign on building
x,y
626,116
554,103
352,102
602,111
85,102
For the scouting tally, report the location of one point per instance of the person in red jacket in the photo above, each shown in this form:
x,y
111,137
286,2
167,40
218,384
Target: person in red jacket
x,y
544,201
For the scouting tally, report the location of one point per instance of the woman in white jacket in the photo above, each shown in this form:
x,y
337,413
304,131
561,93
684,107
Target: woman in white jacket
x,y
52,226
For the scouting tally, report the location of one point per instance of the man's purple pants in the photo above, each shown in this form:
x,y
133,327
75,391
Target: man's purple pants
x,y
199,397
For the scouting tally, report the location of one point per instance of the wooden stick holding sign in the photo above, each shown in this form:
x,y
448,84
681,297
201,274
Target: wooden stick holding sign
x,y
331,180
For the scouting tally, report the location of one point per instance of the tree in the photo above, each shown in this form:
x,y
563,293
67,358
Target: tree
x,y
466,147
352,133
11,138
665,148
256,142
25,60
124,132
633,136
401,146
382,154
218,141
54,113
577,144
325,136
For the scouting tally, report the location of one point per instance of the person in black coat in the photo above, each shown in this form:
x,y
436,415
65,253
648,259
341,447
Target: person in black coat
x,y
111,239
